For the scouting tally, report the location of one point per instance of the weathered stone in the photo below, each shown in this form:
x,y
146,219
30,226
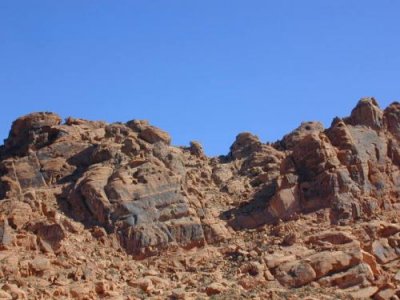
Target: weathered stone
x,y
32,131
368,113
196,149
364,293
385,294
14,291
332,237
326,262
383,252
244,145
304,130
285,203
40,265
215,289
81,203
392,119
222,174
302,272
358,275
5,296
149,133
53,234
19,213
277,260
6,235
296,274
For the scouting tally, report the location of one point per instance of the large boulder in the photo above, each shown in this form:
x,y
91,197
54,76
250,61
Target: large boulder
x,y
244,145
32,131
148,132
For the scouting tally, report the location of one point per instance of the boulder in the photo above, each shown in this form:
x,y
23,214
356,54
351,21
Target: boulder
x,y
244,145
285,203
196,149
148,132
316,266
14,291
153,135
384,252
215,289
305,129
32,131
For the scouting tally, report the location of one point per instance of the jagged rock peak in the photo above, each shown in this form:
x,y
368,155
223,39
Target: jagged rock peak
x,y
367,113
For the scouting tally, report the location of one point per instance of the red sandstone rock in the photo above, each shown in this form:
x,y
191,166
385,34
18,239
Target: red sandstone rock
x,y
77,200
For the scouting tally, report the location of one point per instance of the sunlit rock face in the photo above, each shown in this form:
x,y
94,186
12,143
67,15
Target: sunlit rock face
x,y
276,214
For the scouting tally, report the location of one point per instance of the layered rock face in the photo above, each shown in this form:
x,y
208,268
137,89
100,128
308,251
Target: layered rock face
x,y
324,204
352,168
125,178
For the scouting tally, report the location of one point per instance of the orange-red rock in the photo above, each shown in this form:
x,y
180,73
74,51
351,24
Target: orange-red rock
x,y
91,210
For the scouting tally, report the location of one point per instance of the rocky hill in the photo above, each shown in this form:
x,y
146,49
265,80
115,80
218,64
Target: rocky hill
x,y
91,210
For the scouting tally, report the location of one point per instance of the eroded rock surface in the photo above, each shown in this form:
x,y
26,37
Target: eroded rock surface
x,y
95,210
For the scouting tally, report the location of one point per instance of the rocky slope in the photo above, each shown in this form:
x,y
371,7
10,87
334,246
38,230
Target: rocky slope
x,y
91,210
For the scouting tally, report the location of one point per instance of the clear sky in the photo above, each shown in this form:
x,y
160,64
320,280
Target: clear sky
x,y
202,70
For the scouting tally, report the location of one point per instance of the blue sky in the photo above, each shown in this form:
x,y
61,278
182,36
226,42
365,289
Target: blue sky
x,y
202,70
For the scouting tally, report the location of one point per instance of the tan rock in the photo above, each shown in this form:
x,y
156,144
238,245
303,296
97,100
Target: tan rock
x,y
222,174
397,276
360,275
253,269
367,112
296,274
364,293
332,237
14,291
215,289
313,267
5,296
385,294
392,118
179,294
331,262
383,252
82,291
31,131
19,213
196,149
153,135
145,284
371,261
244,145
268,276
274,261
6,235
51,234
285,203
40,265
304,130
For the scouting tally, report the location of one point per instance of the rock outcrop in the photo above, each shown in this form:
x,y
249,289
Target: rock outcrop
x,y
96,210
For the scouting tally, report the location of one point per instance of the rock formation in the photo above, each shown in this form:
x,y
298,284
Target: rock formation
x,y
93,210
